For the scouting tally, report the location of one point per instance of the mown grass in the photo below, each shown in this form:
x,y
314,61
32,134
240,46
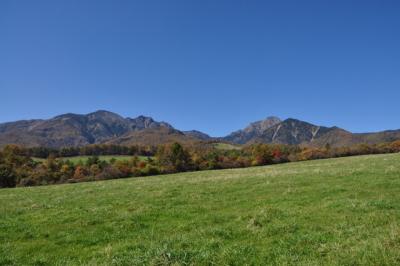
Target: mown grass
x,y
108,158
226,146
329,212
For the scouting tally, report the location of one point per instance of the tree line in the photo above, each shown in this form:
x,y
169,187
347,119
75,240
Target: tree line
x,y
89,150
18,168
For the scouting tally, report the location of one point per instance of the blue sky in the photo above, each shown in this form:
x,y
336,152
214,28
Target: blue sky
x,y
212,65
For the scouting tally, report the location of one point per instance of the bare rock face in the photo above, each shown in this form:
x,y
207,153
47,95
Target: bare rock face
x,y
252,131
292,131
143,122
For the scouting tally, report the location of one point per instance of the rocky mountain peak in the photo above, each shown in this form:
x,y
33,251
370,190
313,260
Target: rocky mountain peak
x,y
262,125
144,122
253,130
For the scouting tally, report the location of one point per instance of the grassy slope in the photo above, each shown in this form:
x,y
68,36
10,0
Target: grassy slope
x,y
337,211
226,146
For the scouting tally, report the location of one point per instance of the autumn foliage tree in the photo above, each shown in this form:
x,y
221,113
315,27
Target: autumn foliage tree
x,y
14,165
173,158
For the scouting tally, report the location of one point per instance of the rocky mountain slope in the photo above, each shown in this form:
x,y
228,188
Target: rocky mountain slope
x,y
197,134
107,127
153,136
253,131
78,130
296,132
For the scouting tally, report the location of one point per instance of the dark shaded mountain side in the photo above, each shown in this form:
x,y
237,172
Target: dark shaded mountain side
x,y
197,134
153,137
78,130
342,138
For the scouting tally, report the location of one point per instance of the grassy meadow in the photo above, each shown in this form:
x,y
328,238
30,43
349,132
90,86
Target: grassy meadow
x,y
342,211
226,146
108,158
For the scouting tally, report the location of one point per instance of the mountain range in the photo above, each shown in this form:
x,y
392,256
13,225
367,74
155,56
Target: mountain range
x,y
110,128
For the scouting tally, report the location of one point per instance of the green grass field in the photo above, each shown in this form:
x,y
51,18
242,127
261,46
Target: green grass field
x,y
329,212
226,146
77,159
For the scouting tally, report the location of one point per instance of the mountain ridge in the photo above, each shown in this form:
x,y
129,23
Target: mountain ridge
x,y
74,129
103,126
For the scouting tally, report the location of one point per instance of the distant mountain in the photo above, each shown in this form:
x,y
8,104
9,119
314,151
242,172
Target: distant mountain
x,y
78,130
293,131
197,134
253,131
296,132
273,130
341,138
153,136
106,127
143,122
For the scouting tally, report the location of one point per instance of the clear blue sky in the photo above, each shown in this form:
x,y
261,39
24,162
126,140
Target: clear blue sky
x,y
211,65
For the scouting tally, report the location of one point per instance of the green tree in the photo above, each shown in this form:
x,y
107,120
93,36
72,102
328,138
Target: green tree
x,y
173,158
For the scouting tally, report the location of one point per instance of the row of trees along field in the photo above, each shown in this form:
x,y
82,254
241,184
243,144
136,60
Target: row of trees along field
x,y
17,168
95,149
